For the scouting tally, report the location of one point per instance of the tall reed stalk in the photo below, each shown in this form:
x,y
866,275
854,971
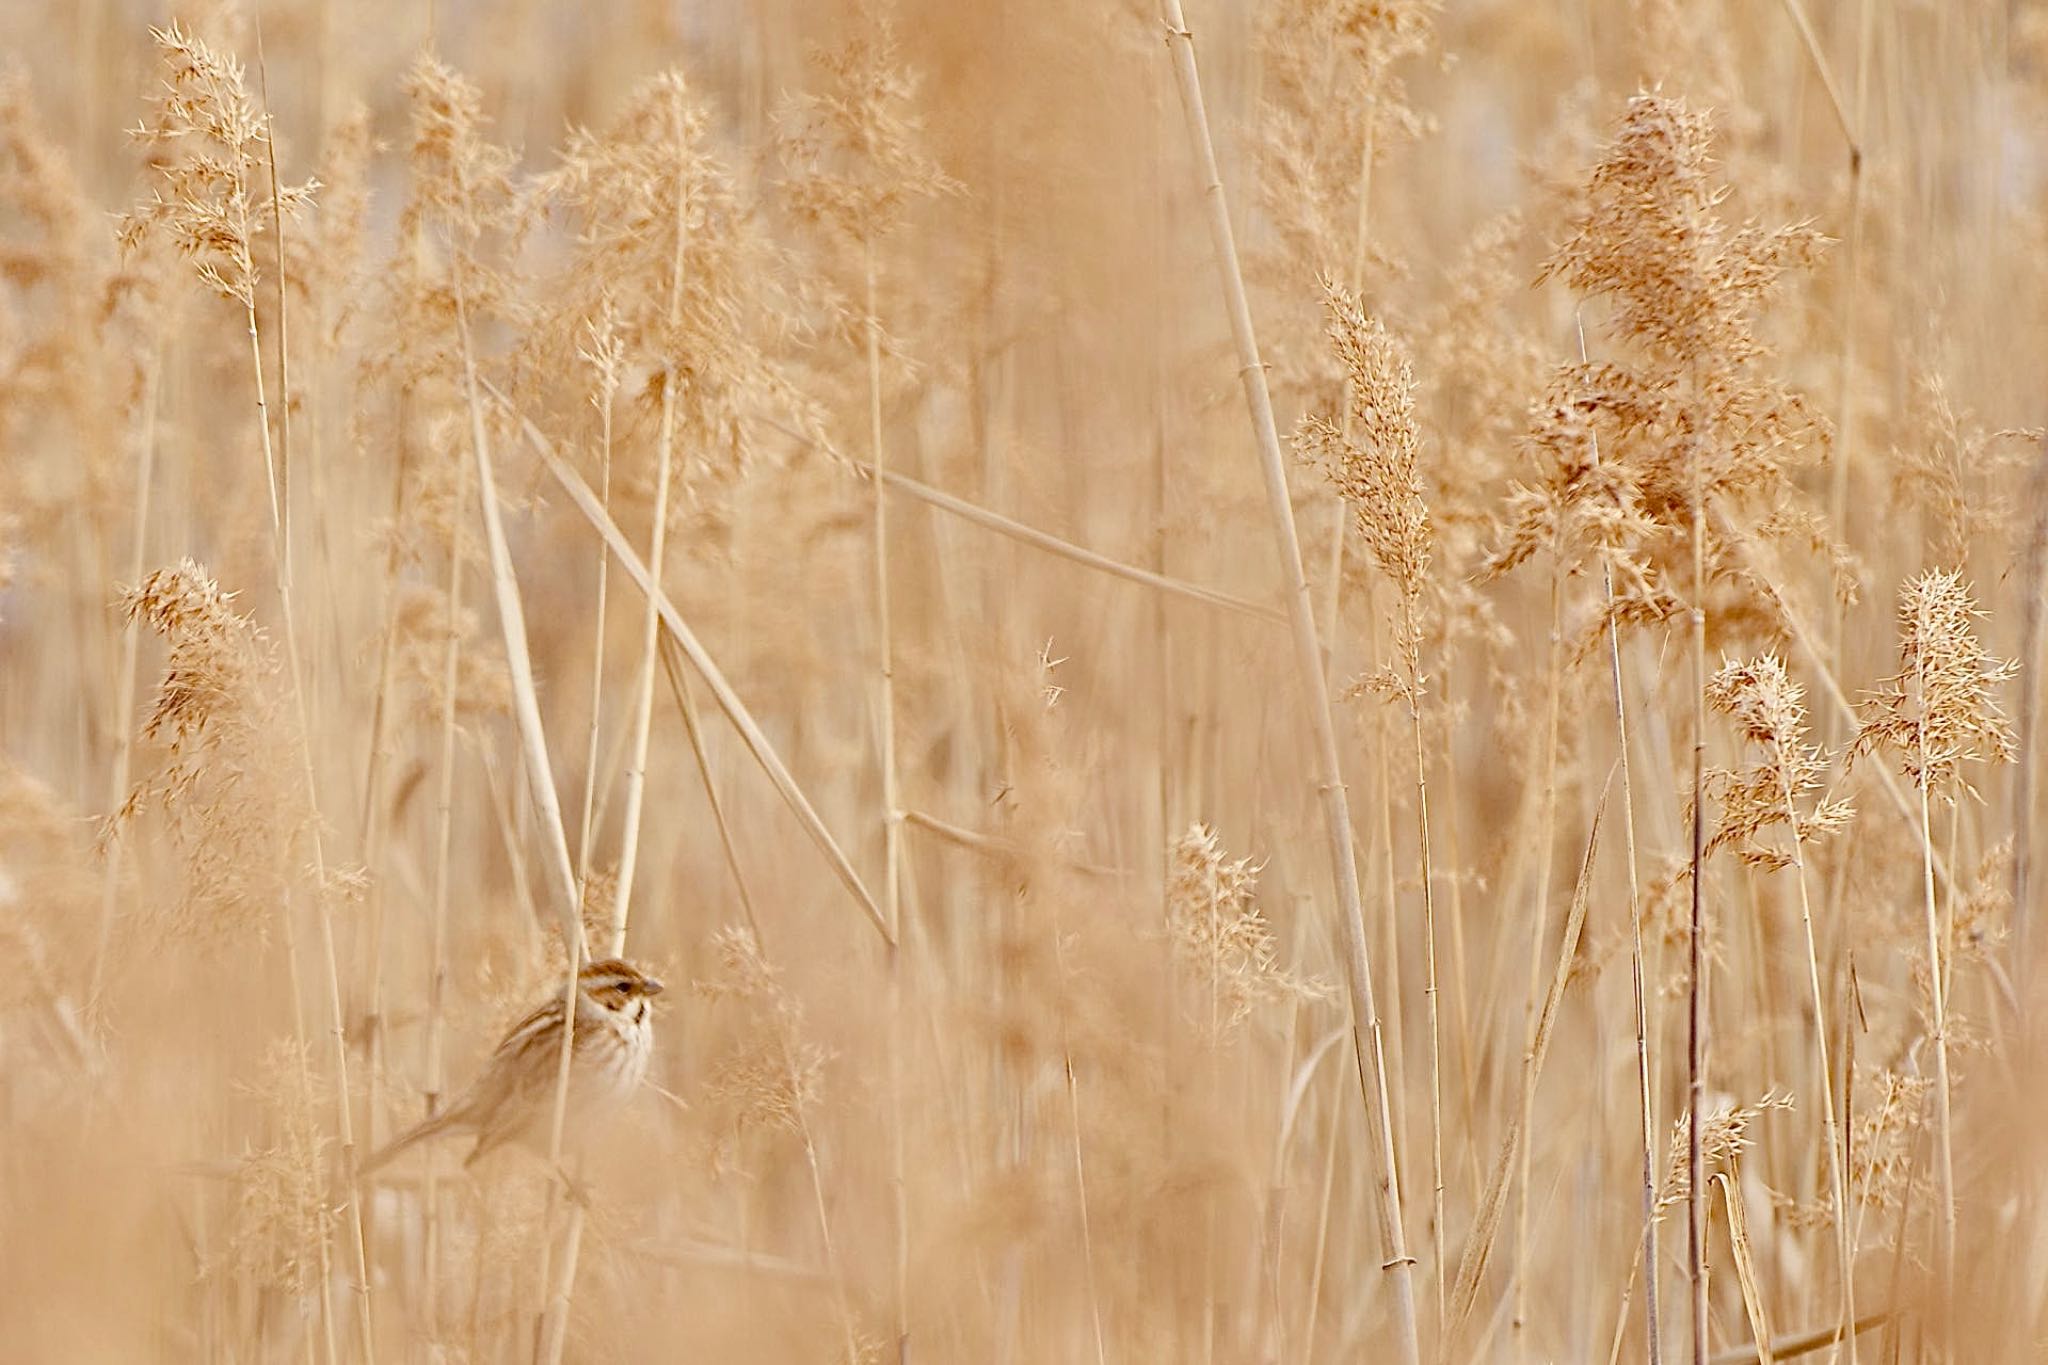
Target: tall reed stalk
x,y
1696,998
1366,1026
665,455
214,213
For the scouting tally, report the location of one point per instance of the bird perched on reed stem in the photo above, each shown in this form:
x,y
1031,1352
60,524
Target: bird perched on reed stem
x,y
514,1097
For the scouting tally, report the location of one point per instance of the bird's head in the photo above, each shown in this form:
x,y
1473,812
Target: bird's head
x,y
618,985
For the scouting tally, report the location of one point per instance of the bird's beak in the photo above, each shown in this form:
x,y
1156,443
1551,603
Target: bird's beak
x,y
650,986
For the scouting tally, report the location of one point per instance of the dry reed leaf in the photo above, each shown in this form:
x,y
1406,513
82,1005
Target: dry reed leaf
x,y
1493,1202
1753,1302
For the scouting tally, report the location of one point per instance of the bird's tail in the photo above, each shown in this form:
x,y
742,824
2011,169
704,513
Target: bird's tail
x,y
433,1126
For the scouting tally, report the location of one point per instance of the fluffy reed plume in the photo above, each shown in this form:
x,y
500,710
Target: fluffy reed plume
x,y
1335,105
1766,795
771,1080
673,268
424,623
46,897
78,324
209,145
1882,1163
1766,706
853,150
284,1215
1725,1138
1371,456
459,207
1939,711
218,784
1934,715
772,1083
1618,444
1480,363
1221,937
1655,468
43,256
856,167
41,187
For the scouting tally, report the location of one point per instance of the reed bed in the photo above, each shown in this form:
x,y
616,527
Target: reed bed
x,y
1277,681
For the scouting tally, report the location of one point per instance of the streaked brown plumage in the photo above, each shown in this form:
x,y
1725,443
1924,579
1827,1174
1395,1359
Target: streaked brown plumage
x,y
513,1099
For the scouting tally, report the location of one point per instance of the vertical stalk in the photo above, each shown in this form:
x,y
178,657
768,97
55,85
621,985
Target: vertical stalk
x,y
1944,1155
604,566
2025,932
1638,988
1638,982
1845,379
124,703
1359,236
1436,1075
273,461
892,819
892,826
1836,1174
1696,1026
1073,1088
643,699
650,640
540,778
371,820
1533,1025
1368,1048
557,1309
444,813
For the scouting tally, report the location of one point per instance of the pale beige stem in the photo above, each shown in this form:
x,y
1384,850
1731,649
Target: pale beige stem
x,y
1638,973
700,659
1836,1175
124,697
281,564
1412,611
1696,1028
540,776
650,635
1339,530
1027,535
372,819
679,687
444,834
1366,1026
557,1310
1845,377
1533,1007
892,824
585,826
892,803
643,698
1944,1157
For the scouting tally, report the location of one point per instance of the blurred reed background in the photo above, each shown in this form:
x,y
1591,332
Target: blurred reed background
x,y
1651,499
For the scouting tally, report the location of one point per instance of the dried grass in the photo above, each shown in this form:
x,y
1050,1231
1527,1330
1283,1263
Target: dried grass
x,y
543,363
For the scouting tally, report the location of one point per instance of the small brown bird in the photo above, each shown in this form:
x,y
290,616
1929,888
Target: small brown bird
x,y
513,1100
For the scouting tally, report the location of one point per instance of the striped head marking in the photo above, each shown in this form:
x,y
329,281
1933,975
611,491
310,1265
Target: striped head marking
x,y
618,985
